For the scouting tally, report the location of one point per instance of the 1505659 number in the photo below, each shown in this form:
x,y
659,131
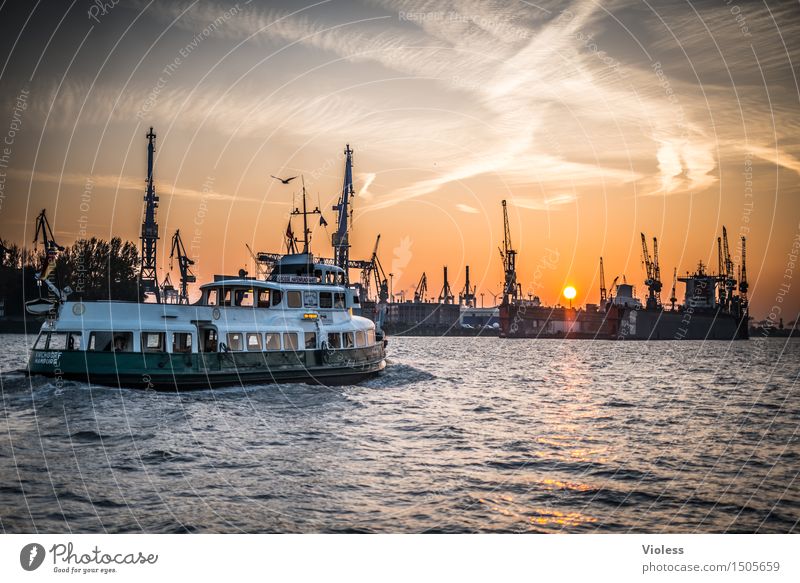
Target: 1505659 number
x,y
765,566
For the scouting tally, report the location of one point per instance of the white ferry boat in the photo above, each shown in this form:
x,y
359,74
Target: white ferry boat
x,y
297,325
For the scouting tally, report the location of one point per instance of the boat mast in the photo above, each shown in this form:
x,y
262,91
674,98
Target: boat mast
x,y
305,212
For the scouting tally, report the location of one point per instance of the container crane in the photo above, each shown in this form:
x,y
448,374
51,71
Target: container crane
x,y
184,263
509,257
422,289
340,238
467,295
446,295
148,279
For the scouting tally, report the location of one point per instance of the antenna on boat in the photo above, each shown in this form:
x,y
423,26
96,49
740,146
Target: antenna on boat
x,y
305,212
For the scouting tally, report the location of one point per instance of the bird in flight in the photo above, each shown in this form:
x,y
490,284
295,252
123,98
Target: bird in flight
x,y
284,180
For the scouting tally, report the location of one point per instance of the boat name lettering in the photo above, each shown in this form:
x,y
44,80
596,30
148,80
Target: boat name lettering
x,y
47,357
296,279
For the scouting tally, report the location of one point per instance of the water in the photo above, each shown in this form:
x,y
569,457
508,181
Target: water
x,y
459,435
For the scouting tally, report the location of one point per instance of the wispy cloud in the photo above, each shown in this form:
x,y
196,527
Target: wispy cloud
x,y
124,183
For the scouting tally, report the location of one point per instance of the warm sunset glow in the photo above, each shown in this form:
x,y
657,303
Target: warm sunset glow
x,y
591,142
570,292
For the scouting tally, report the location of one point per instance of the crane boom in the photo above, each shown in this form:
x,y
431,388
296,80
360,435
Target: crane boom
x,y
178,252
509,256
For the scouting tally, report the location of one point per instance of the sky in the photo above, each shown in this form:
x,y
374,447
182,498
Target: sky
x,y
595,120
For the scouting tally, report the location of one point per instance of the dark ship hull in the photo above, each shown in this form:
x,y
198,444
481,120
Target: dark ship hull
x,y
518,320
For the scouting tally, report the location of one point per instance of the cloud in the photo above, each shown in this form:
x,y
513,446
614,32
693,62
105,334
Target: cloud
x,y
124,183
465,208
537,95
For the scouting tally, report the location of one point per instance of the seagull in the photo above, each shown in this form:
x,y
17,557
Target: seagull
x,y
284,180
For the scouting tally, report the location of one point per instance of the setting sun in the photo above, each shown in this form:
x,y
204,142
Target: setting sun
x,y
570,292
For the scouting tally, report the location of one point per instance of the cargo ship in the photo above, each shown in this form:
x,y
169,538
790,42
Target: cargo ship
x,y
711,308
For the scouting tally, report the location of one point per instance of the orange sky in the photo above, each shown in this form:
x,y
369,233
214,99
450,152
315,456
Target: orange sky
x,y
595,122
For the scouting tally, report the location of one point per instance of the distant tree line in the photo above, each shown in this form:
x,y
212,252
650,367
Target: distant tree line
x,y
94,268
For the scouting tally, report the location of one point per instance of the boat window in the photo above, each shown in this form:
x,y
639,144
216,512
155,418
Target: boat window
x,y
111,341
234,341
272,341
311,340
276,297
212,299
334,340
244,298
254,341
153,342
310,299
370,337
225,295
58,341
41,341
330,278
325,300
348,340
182,342
361,338
293,298
263,298
290,338
74,340
338,300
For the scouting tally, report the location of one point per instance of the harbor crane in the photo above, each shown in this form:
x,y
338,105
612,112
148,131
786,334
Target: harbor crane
x,y
743,275
730,282
422,289
46,274
613,287
446,295
341,238
168,292
603,292
373,272
721,272
467,295
509,257
672,297
653,270
291,240
184,264
148,278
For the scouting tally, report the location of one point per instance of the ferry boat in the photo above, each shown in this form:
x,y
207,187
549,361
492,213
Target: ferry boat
x,y
294,326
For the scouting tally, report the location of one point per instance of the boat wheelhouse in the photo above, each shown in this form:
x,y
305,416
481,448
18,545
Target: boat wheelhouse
x,y
295,326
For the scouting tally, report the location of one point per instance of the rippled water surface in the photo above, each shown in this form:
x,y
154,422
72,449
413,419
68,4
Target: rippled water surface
x,y
458,435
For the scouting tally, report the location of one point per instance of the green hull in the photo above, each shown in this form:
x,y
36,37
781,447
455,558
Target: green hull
x,y
169,371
